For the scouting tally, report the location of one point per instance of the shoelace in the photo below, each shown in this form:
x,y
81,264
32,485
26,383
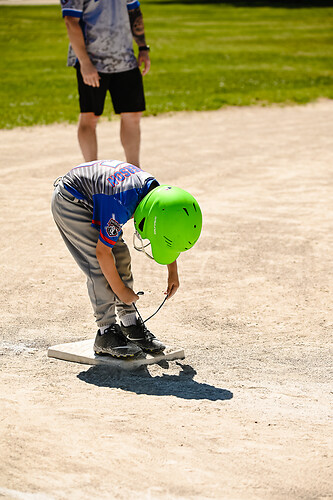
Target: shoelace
x,y
117,333
146,333
140,317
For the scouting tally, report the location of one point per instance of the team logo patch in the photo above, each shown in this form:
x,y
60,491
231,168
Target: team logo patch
x,y
113,228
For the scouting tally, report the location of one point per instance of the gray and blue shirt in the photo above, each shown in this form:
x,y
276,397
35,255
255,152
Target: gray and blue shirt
x,y
107,32
112,190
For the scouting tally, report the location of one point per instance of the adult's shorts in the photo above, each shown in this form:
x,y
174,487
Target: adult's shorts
x,y
126,90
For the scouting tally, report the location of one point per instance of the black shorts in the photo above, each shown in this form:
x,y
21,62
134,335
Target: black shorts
x,y
126,90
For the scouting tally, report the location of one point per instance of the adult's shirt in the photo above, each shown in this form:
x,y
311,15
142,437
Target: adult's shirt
x,y
112,190
107,32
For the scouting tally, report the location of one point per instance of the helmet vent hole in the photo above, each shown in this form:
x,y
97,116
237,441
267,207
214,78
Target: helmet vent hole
x,y
141,224
195,208
168,241
185,210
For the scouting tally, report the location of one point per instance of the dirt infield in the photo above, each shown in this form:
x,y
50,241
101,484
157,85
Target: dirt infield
x,y
247,414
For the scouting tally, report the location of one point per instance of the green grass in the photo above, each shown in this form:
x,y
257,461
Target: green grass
x,y
204,56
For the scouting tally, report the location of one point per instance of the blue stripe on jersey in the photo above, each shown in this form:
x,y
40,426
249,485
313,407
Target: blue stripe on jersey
x,y
133,5
72,13
74,192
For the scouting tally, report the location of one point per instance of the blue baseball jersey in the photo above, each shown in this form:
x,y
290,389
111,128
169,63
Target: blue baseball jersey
x,y
107,32
112,190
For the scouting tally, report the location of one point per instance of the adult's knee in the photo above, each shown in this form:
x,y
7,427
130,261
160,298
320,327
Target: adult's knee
x,y
88,121
131,118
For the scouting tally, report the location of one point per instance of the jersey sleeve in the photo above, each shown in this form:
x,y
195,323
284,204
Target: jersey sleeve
x,y
72,8
132,4
108,217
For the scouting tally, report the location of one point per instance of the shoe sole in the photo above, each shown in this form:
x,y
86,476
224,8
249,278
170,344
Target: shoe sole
x,y
118,356
152,351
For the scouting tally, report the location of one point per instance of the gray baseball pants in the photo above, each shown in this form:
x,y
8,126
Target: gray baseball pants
x,y
73,220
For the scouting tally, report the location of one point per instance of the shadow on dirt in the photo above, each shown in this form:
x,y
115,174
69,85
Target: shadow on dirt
x,y
141,382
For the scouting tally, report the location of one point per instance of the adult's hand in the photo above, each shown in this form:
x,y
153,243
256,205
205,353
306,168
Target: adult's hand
x,y
89,73
144,60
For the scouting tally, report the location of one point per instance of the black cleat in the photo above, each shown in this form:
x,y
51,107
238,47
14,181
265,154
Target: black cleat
x,y
114,343
142,337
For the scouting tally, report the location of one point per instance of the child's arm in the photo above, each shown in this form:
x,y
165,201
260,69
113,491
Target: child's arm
x,y
108,266
173,280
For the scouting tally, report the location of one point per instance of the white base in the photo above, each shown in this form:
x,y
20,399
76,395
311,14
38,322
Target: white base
x,y
83,352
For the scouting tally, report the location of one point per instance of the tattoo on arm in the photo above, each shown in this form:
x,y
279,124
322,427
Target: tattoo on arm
x,y
137,27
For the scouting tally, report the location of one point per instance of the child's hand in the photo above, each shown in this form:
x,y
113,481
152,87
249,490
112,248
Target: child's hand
x,y
127,295
173,286
173,280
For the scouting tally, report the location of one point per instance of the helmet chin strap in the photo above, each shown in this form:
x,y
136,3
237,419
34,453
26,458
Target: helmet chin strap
x,y
141,247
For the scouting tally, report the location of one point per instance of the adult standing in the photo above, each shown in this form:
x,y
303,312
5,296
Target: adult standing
x,y
101,36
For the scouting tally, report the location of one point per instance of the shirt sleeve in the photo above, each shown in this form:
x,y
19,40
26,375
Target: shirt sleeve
x,y
132,4
72,8
108,217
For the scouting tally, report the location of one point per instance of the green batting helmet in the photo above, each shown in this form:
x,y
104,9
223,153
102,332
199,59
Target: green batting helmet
x,y
170,218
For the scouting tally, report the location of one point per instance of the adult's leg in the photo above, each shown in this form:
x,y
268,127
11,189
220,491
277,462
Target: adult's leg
x,y
87,135
91,107
130,136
